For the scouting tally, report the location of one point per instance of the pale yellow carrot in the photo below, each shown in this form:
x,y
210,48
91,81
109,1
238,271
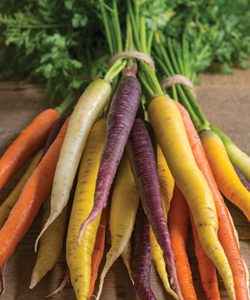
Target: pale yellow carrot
x,y
51,243
124,204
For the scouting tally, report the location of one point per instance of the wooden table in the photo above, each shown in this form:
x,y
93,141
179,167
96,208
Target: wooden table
x,y
225,100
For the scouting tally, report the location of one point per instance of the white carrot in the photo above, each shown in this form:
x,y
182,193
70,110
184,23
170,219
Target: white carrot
x,y
82,119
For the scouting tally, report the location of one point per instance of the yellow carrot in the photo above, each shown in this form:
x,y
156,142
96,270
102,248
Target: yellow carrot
x,y
7,205
124,204
170,132
238,158
79,256
166,179
51,244
223,171
167,186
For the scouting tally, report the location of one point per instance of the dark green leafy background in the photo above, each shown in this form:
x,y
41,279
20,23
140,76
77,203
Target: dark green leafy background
x,y
61,44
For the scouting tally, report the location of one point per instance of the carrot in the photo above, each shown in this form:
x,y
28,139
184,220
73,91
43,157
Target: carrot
x,y
124,204
165,178
28,143
30,200
166,186
169,129
10,201
178,226
51,244
238,158
141,261
206,267
82,119
98,250
52,241
144,167
119,123
225,231
79,256
223,171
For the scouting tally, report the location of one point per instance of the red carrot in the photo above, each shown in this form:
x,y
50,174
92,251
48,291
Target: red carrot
x,y
142,258
178,228
144,167
225,231
206,267
29,142
30,200
119,123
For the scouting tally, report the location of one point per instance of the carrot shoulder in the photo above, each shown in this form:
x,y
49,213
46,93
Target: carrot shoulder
x,y
30,200
225,231
28,143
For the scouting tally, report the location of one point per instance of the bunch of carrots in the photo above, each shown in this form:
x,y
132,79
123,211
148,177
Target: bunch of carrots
x,y
138,161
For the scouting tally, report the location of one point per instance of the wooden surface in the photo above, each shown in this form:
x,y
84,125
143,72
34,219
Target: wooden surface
x,y
225,100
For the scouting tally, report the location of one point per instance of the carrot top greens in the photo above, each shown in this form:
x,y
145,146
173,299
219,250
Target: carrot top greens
x,y
62,44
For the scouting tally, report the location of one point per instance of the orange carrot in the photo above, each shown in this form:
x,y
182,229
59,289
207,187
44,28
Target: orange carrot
x,y
29,142
225,231
27,206
206,267
178,225
98,250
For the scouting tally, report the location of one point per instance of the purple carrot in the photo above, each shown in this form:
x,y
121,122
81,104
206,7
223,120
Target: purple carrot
x,y
119,123
144,167
142,258
54,131
242,179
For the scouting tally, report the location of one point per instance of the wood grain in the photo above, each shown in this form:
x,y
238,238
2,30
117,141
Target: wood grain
x,y
225,105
